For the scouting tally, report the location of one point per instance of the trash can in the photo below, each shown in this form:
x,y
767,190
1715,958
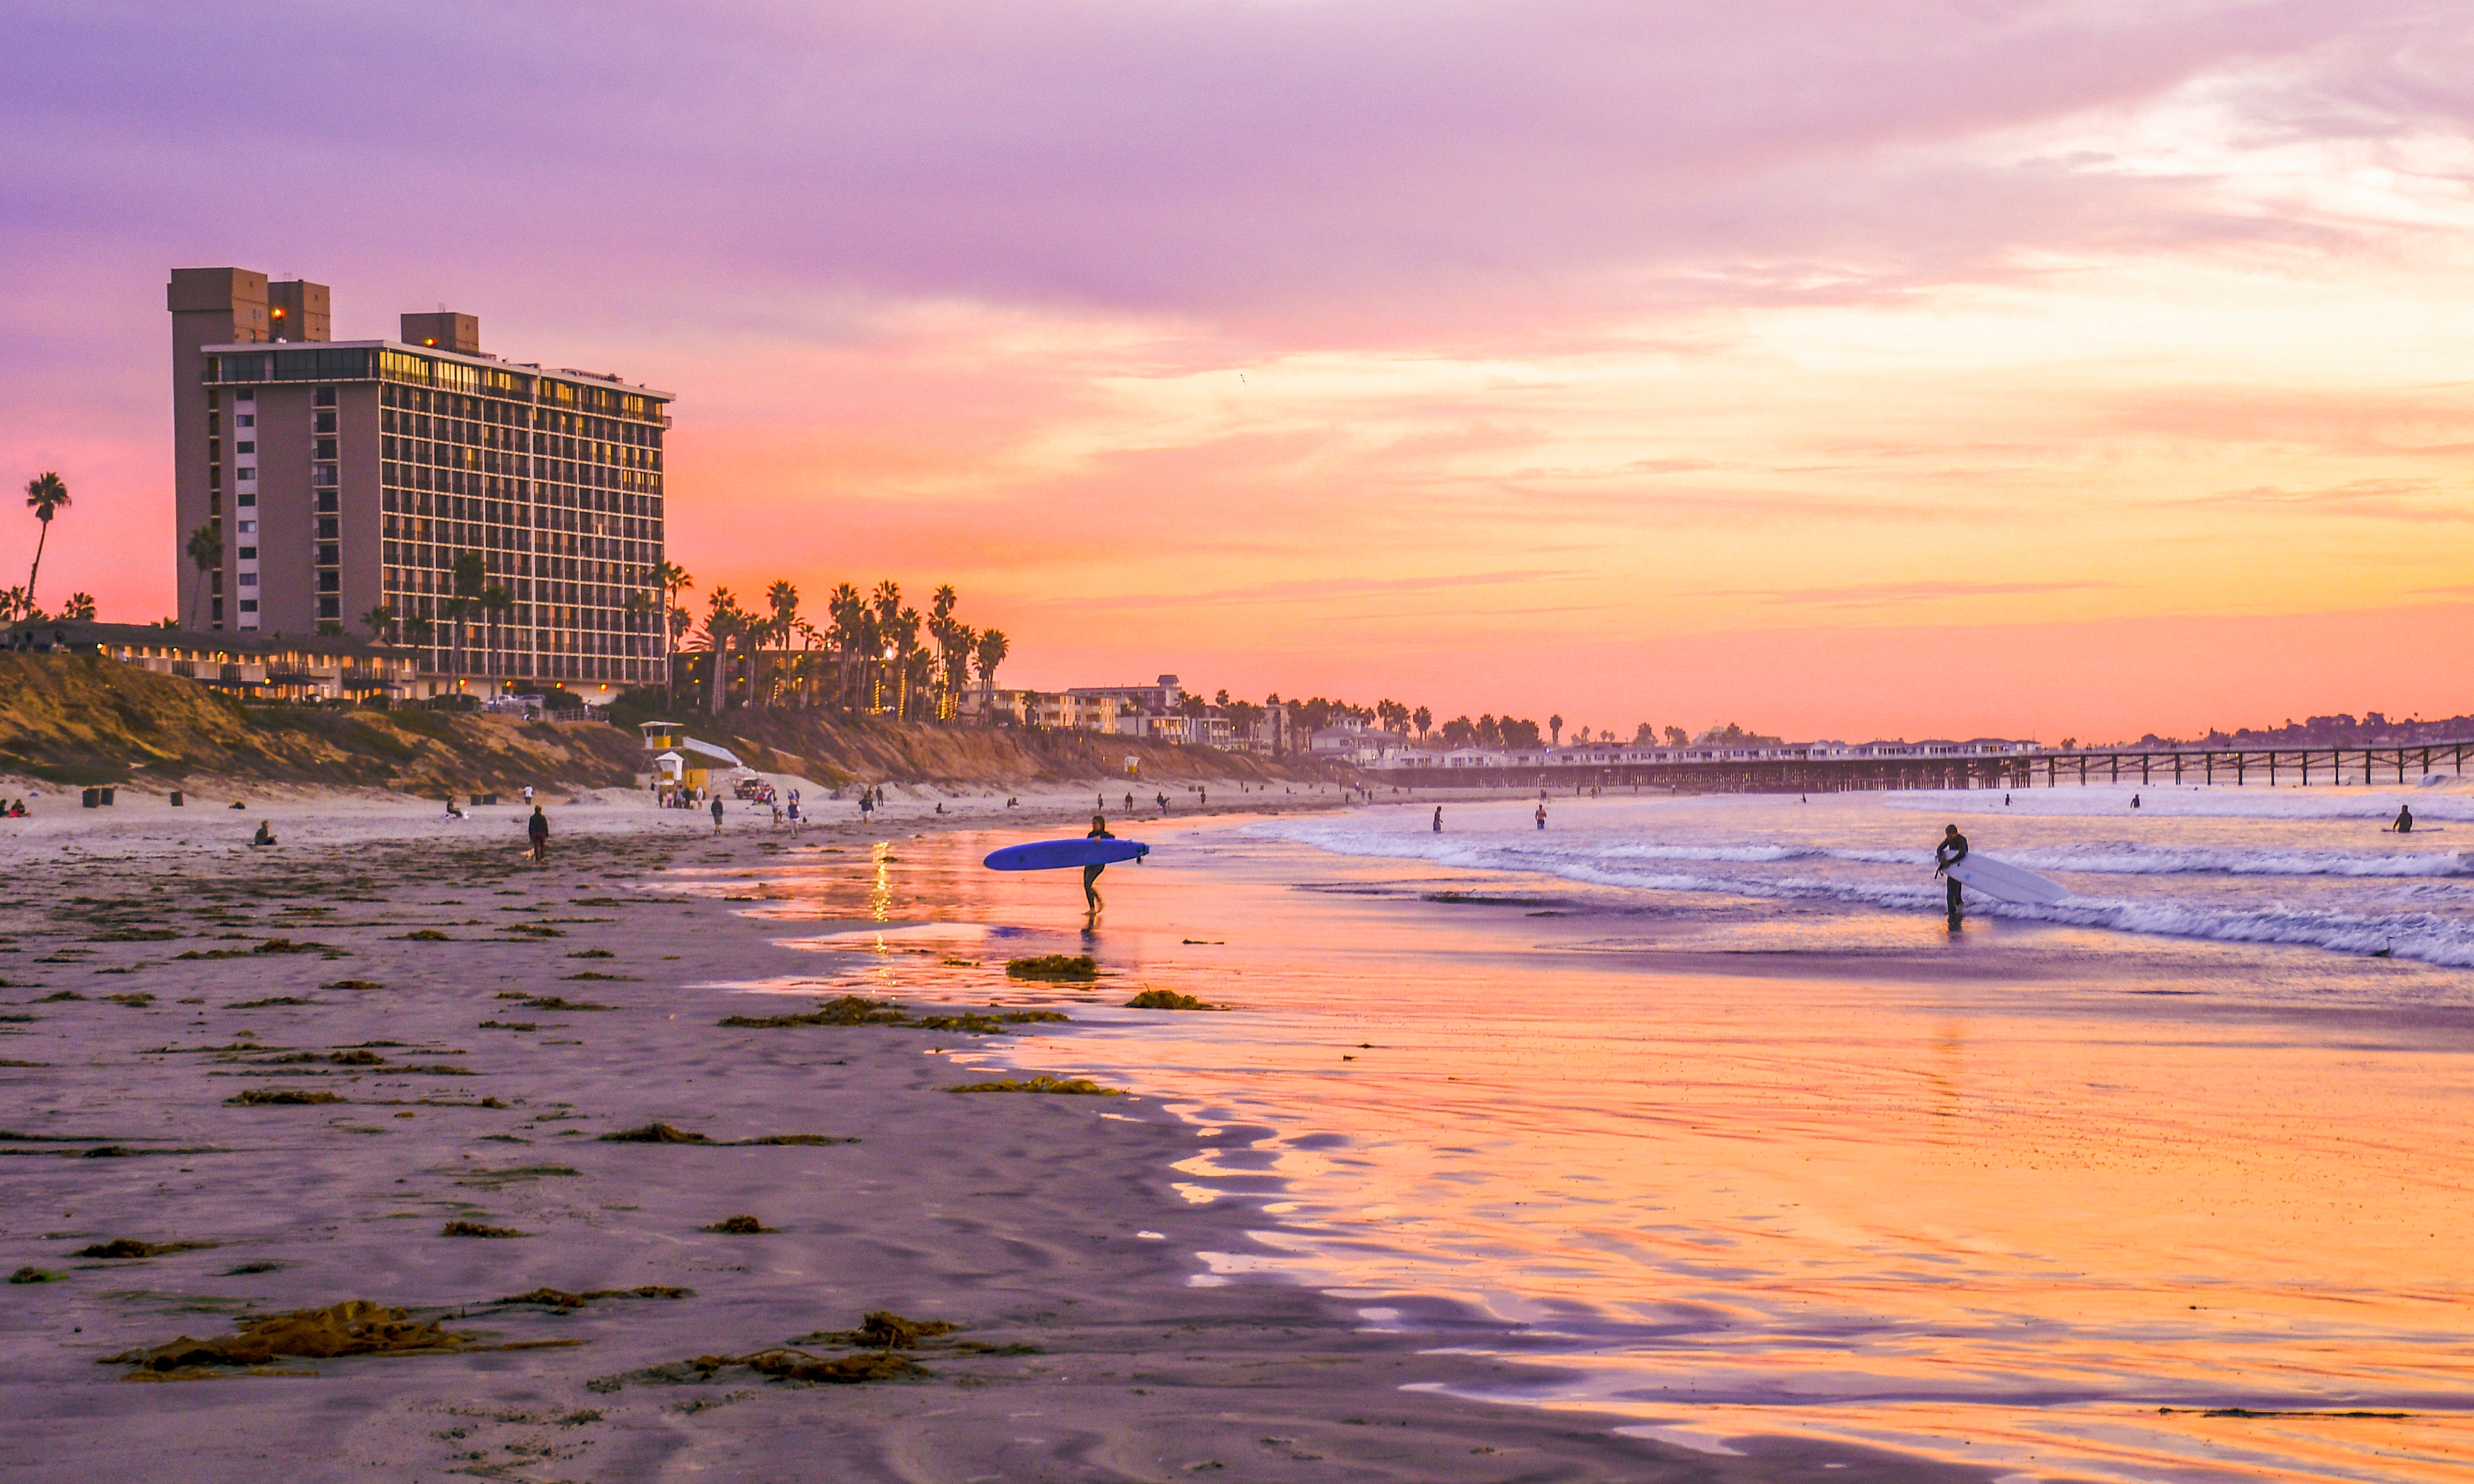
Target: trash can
x,y
107,796
91,798
177,800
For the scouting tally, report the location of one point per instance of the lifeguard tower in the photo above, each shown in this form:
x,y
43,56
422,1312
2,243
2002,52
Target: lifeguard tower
x,y
679,762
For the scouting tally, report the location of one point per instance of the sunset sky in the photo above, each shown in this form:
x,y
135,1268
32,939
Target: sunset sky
x,y
1842,369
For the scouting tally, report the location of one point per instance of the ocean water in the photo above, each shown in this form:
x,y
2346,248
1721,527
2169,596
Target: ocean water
x,y
1699,1108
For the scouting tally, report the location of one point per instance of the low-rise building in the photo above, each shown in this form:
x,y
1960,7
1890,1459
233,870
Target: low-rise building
x,y
1163,695
245,666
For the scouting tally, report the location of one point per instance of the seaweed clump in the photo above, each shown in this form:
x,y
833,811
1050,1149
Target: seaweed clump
x,y
130,1247
1053,965
34,1275
1166,999
259,1097
668,1134
656,1133
1082,1087
355,1327
561,1300
848,1010
476,1229
738,1226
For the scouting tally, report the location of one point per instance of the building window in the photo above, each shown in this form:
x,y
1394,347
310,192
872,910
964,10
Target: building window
x,y
249,579
245,447
245,420
248,553
246,497
249,604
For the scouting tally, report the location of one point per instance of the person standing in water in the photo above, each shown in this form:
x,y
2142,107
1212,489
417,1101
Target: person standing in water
x,y
1439,819
2405,820
1541,816
1091,873
1951,850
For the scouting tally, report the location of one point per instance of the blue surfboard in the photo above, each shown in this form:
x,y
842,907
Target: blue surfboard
x,y
1060,855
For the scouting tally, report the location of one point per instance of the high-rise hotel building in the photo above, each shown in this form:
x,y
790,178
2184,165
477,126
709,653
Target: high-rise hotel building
x,y
341,477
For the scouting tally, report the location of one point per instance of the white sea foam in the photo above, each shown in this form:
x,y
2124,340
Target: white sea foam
x,y
1854,876
2438,797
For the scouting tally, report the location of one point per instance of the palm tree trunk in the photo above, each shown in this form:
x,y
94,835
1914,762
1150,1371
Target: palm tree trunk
x,y
39,565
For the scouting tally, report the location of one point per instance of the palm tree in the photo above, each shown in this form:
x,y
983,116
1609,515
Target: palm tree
x,y
640,605
1555,725
783,599
849,637
495,600
381,621
673,579
904,632
471,574
80,606
810,638
992,648
723,625
1424,719
418,629
45,494
205,551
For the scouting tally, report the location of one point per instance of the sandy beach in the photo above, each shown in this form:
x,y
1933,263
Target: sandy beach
x,y
296,1071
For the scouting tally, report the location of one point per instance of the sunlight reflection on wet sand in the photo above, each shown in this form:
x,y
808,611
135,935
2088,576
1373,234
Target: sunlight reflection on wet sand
x,y
2005,1218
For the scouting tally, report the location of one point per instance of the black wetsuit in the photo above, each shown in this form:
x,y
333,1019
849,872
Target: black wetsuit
x,y
1952,850
1091,873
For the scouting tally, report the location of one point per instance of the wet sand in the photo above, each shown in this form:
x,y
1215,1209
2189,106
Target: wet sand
x,y
422,980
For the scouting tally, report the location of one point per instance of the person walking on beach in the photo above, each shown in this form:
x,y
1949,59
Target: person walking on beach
x,y
2405,820
1091,873
2134,801
716,814
1439,819
536,830
1951,850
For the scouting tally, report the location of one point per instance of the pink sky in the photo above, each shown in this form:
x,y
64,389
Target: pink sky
x,y
1839,369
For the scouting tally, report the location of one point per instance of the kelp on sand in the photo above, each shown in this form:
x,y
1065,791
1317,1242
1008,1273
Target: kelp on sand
x,y
856,1009
1053,965
879,1338
354,1327
1082,1087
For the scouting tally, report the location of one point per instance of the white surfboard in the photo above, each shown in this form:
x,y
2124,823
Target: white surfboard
x,y
2004,882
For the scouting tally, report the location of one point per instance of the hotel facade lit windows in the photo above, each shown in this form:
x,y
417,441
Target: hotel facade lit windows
x,y
509,517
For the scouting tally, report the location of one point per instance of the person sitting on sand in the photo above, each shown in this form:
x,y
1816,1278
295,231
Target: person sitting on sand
x,y
237,805
452,812
2405,820
265,834
536,830
1091,873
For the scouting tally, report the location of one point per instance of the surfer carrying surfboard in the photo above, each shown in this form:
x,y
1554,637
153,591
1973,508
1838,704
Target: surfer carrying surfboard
x,y
1091,873
1951,850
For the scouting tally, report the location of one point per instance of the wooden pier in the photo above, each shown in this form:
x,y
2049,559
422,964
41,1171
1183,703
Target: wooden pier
x,y
1783,772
